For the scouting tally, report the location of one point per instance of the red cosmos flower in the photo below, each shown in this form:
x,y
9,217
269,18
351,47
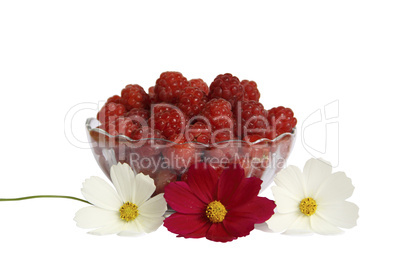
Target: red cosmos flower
x,y
218,208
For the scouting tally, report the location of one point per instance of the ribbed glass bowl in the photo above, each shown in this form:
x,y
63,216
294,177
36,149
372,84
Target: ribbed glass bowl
x,y
262,158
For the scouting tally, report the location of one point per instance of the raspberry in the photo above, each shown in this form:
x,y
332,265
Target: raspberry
x,y
169,122
181,154
115,99
134,96
192,101
228,87
163,178
281,120
120,126
251,139
138,116
222,150
199,132
147,133
219,114
152,96
250,90
200,84
253,149
161,107
184,176
258,151
110,111
169,86
221,136
150,142
251,116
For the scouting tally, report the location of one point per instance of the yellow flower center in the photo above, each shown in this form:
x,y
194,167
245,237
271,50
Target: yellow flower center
x,y
308,206
128,211
216,212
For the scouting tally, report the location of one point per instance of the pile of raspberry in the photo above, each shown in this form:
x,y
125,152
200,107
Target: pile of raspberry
x,y
188,112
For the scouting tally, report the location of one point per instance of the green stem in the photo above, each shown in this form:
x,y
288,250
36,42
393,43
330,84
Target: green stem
x,y
44,196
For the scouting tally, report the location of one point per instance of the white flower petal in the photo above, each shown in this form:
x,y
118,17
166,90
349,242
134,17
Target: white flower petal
x,y
123,179
153,207
94,217
144,188
336,188
132,228
114,228
149,224
131,234
300,226
315,171
321,226
343,214
280,222
284,200
292,180
98,192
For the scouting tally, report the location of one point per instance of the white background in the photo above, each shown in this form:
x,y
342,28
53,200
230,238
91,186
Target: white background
x,y
55,55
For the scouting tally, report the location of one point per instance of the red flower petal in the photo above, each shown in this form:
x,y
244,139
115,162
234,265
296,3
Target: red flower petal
x,y
260,209
229,182
202,179
198,233
189,226
245,192
218,233
180,198
238,225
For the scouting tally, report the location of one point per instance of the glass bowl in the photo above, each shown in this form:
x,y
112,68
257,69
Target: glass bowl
x,y
166,161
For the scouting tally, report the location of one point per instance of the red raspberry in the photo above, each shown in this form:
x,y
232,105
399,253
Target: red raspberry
x,y
200,84
147,133
115,99
181,154
199,132
124,126
258,150
120,126
219,114
228,87
251,116
163,178
225,141
162,107
169,86
250,90
152,95
222,150
169,122
255,147
138,116
149,140
184,176
134,96
220,136
110,111
192,101
281,120
251,139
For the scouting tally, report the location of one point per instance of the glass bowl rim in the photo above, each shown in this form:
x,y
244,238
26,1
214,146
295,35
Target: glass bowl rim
x,y
124,137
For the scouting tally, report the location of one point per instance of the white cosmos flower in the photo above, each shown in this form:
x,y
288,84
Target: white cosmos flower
x,y
126,210
312,201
